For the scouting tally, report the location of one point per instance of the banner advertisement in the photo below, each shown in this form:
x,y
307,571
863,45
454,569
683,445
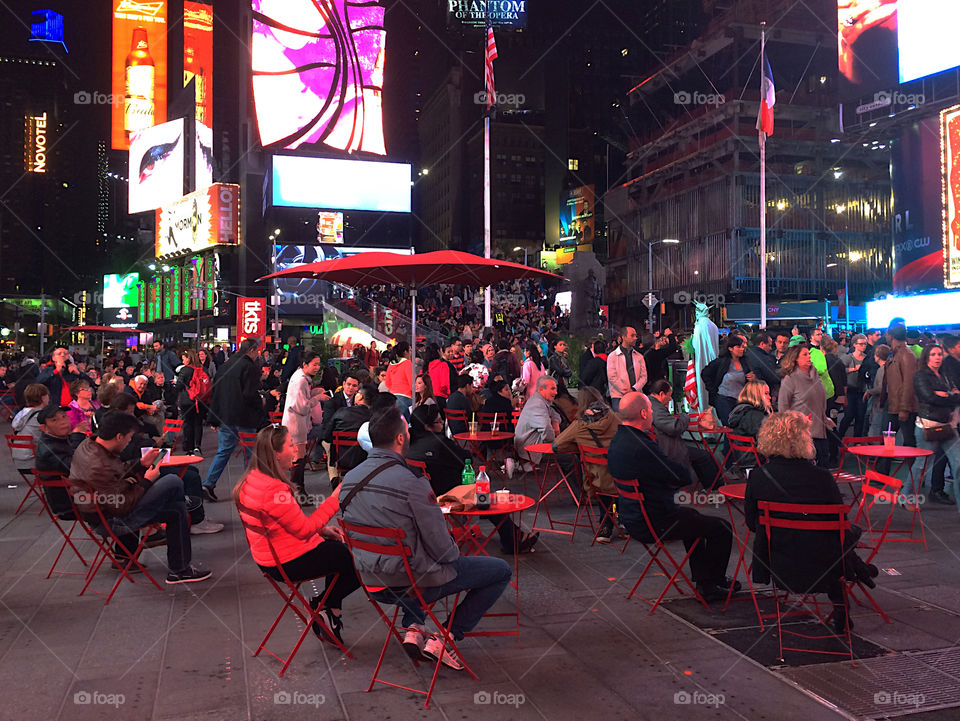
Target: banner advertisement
x,y
251,318
917,208
198,221
510,14
198,56
139,68
120,299
576,218
950,141
157,164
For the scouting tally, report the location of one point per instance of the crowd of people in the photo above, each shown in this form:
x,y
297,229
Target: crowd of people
x,y
100,421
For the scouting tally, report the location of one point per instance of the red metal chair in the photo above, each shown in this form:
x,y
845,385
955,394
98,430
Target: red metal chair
x,y
596,457
341,441
173,427
254,522
842,476
245,441
419,465
391,542
883,491
814,518
654,546
742,444
55,479
7,405
25,443
107,540
276,416
504,421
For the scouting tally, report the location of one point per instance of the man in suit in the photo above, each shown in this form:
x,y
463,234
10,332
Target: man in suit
x,y
343,398
348,420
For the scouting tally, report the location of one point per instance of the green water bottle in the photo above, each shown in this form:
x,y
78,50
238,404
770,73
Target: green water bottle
x,y
468,477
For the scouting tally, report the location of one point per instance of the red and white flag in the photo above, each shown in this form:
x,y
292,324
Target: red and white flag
x,y
690,386
768,97
491,55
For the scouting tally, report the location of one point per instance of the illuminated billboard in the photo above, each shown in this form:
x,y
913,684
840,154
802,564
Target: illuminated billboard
x,y
318,73
329,227
497,13
950,182
918,311
35,143
120,295
203,156
576,217
300,182
139,69
200,220
198,56
882,43
157,160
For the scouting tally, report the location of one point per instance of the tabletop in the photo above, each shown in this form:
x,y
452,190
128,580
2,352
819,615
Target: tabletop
x,y
176,461
517,502
698,429
736,491
484,436
539,448
895,452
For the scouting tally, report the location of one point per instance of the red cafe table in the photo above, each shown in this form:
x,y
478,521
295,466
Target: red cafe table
x,y
546,449
471,546
734,493
474,440
872,454
711,446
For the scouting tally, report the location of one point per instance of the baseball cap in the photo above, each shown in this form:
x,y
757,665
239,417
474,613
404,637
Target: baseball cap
x,y
48,412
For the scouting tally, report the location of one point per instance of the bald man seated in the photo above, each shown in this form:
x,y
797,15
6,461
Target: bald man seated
x,y
633,455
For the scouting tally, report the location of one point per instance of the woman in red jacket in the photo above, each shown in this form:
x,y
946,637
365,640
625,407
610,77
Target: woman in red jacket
x,y
306,546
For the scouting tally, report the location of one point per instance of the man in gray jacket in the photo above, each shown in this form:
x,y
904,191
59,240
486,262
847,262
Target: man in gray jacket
x,y
397,498
670,429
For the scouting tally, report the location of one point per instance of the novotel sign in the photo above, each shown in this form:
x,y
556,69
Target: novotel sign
x,y
35,148
496,13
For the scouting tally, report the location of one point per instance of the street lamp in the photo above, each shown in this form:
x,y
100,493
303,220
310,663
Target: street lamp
x,y
852,257
650,244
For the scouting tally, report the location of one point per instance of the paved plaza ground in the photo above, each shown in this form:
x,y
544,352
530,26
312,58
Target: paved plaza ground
x,y
584,652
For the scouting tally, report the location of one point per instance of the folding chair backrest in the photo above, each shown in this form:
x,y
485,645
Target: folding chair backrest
x,y
862,441
276,416
799,517
387,542
172,425
880,488
592,454
456,414
504,420
419,465
247,440
255,522
23,443
345,439
629,489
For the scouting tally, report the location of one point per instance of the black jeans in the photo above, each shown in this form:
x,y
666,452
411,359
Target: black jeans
x,y
708,562
855,413
704,466
909,430
328,558
192,432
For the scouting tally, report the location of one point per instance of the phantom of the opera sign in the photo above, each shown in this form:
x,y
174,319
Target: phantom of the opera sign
x,y
511,14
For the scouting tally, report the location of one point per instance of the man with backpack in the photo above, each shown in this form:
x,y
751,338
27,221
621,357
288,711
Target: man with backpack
x,y
193,389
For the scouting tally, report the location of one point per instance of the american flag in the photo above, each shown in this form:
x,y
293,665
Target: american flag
x,y
690,386
491,55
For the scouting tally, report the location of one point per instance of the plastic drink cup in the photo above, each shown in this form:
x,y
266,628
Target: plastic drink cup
x,y
889,439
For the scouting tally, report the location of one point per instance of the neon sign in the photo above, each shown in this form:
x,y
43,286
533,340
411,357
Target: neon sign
x,y
35,148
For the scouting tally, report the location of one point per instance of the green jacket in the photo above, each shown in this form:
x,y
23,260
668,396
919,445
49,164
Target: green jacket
x,y
819,361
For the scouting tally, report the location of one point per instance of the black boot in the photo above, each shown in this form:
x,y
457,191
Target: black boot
x,y
298,482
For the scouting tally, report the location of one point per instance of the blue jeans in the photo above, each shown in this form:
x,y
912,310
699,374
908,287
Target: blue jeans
x,y
404,404
227,439
482,577
950,449
162,503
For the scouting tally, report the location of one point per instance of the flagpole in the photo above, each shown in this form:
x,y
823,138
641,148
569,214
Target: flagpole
x,y
763,192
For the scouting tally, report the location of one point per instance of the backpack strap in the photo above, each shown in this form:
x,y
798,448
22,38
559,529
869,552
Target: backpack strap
x,y
370,476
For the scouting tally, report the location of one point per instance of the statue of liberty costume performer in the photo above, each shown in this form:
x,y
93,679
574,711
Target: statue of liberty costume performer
x,y
702,347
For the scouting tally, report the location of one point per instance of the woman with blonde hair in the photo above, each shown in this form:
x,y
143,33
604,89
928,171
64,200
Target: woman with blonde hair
x,y
753,407
306,546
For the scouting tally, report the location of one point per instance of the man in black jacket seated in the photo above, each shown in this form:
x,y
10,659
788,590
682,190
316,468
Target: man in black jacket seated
x,y
634,455
343,398
55,449
349,419
803,559
459,400
444,460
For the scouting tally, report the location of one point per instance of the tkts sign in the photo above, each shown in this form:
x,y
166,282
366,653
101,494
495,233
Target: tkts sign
x,y
251,318
199,220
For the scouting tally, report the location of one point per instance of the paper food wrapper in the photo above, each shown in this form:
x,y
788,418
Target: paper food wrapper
x,y
465,495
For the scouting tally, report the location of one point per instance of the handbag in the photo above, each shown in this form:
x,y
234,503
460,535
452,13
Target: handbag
x,y
944,432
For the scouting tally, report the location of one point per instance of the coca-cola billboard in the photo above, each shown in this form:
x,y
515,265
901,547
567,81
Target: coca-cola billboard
x,y
251,318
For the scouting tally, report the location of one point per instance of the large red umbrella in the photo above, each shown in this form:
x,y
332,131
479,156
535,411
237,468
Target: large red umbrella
x,y
413,272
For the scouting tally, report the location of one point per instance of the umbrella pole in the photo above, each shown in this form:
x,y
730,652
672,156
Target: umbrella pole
x,y
413,343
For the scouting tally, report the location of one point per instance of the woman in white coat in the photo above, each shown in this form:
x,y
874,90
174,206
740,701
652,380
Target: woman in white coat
x,y
300,401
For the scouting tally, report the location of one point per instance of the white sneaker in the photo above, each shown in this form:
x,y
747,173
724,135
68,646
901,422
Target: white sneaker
x,y
414,639
434,647
205,526
511,466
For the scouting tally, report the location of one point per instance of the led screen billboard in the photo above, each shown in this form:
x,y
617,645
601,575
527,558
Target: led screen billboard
x,y
950,182
318,73
198,56
120,295
300,296
200,220
139,68
329,227
203,156
300,182
156,166
576,217
882,43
